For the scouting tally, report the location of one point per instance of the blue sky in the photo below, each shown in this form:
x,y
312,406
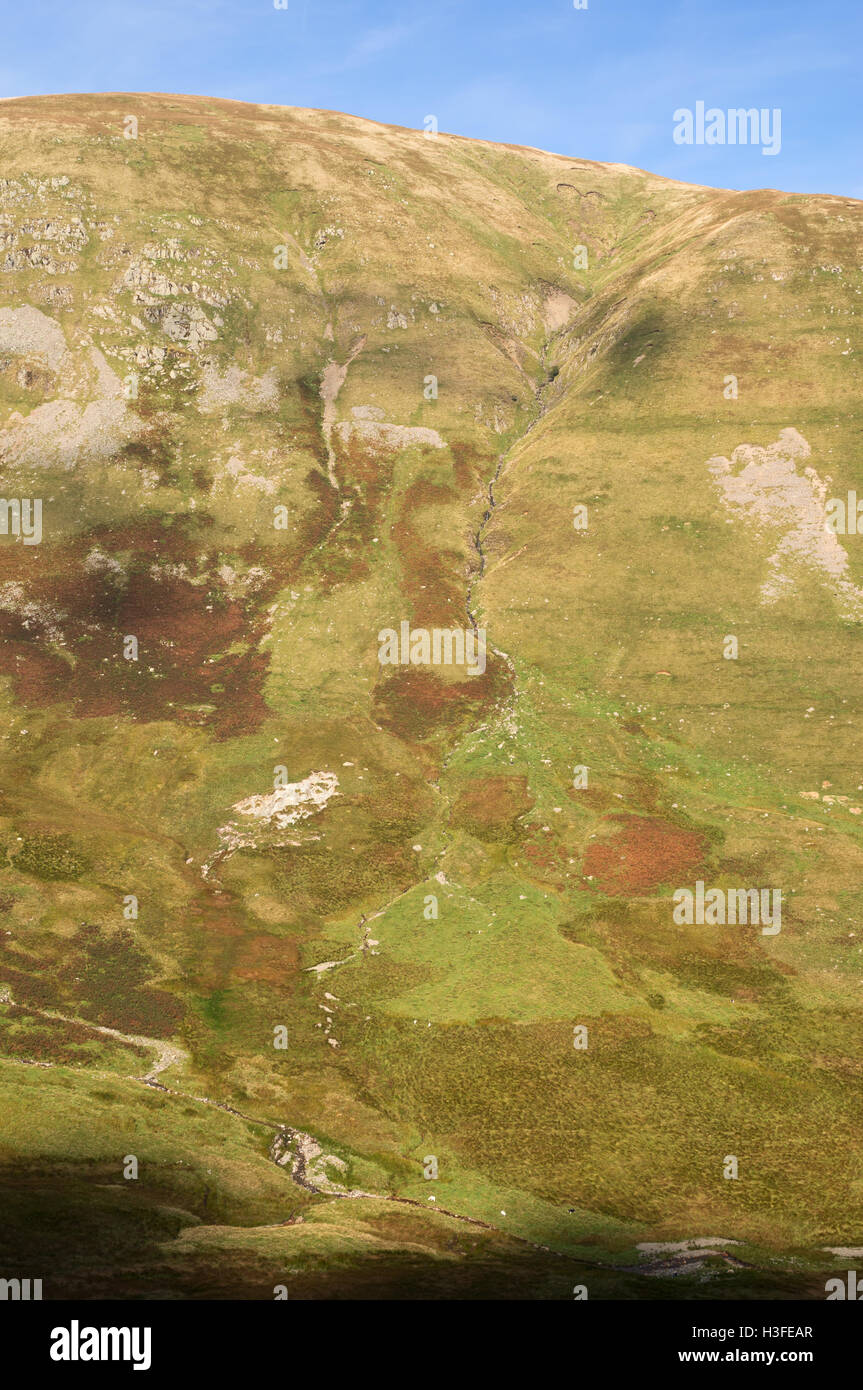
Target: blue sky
x,y
601,83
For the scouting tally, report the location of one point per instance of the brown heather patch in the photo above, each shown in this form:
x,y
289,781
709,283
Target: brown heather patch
x,y
153,449
220,946
594,798
316,526
306,424
415,704
183,629
547,860
473,467
54,1040
642,854
267,959
213,939
108,973
365,466
433,580
489,807
99,975
26,987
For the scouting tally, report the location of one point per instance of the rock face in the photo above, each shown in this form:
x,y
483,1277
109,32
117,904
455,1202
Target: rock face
x,y
27,332
280,380
379,435
765,488
91,423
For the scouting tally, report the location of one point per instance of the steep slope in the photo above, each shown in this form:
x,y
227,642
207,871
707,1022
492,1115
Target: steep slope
x,y
285,924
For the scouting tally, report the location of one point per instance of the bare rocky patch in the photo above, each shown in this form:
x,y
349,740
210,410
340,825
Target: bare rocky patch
x,y
764,488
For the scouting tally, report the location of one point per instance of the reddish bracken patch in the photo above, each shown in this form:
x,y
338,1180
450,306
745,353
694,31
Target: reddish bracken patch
x,y
642,854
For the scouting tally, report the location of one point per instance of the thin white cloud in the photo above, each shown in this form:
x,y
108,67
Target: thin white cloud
x,y
369,48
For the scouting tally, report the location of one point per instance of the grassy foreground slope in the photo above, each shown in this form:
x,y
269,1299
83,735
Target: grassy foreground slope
x,y
282,379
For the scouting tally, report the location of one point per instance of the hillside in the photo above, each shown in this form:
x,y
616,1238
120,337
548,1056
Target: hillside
x,y
282,922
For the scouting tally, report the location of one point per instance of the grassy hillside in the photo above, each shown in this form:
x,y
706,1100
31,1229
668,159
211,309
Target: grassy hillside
x,y
281,380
